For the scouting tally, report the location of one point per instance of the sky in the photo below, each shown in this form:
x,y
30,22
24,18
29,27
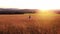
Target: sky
x,y
30,4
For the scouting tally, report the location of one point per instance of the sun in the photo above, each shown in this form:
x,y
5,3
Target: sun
x,y
44,12
41,11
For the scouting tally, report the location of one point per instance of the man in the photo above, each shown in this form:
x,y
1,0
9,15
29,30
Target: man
x,y
29,17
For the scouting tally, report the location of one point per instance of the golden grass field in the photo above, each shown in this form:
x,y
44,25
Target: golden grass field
x,y
45,23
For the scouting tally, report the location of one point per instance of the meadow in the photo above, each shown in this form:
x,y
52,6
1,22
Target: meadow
x,y
37,24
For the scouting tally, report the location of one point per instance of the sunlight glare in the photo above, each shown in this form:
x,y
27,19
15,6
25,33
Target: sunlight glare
x,y
30,4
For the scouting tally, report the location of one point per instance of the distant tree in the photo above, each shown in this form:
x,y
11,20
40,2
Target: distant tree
x,y
57,11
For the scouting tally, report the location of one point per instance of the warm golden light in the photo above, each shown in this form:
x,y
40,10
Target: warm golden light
x,y
46,13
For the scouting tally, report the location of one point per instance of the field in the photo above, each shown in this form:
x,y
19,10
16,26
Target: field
x,y
37,24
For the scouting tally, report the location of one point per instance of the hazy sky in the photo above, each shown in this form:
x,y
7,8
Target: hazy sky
x,y
30,4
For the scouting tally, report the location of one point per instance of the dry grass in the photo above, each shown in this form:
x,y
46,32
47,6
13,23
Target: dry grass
x,y
20,24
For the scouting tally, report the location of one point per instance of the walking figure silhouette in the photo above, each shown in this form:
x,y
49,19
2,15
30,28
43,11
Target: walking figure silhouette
x,y
29,17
